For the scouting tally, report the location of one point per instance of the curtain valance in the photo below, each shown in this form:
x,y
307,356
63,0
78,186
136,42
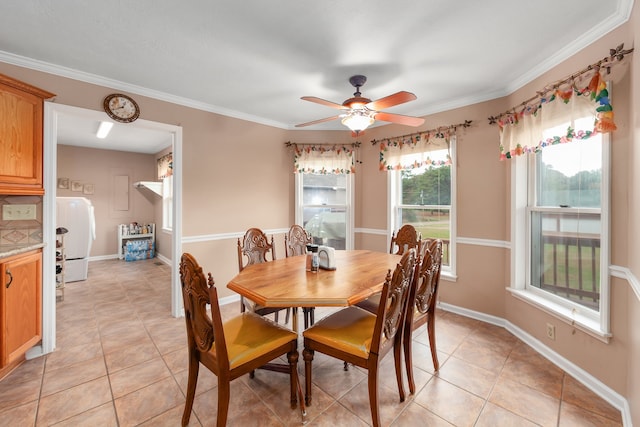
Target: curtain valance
x,y
323,158
416,150
522,132
557,108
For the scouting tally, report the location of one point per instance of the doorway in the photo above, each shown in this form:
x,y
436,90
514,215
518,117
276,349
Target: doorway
x,y
55,115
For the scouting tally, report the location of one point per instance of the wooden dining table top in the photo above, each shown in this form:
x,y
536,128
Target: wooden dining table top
x,y
286,282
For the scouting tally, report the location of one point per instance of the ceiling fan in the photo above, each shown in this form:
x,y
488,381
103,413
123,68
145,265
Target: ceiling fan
x,y
359,112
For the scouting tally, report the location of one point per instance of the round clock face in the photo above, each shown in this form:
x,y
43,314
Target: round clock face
x,y
121,108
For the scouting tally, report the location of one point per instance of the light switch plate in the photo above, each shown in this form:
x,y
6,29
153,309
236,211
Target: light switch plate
x,y
18,212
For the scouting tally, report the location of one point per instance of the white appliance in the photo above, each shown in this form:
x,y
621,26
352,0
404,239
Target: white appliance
x,y
77,216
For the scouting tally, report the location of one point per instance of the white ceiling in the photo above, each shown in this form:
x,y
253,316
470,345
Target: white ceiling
x,y
80,130
254,59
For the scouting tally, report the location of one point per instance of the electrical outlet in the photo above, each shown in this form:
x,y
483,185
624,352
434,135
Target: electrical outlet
x,y
551,331
18,212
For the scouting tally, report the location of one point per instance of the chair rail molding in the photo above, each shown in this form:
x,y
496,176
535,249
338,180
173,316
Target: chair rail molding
x,y
226,236
627,274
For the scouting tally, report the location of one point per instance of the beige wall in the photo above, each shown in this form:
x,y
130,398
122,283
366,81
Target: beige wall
x,y
238,174
98,167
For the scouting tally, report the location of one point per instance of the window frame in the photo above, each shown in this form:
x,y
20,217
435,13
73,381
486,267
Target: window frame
x,y
167,203
394,185
523,187
349,214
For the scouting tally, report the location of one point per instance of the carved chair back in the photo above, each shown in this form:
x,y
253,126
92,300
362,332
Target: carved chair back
x,y
406,238
255,246
296,240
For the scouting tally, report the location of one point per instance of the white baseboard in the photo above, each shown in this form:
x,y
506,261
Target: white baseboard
x,y
160,257
163,259
103,257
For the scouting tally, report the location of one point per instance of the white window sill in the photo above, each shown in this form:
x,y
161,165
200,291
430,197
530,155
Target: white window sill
x,y
580,321
448,276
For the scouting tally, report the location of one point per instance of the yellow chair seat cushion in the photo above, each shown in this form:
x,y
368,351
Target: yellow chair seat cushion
x,y
249,336
349,330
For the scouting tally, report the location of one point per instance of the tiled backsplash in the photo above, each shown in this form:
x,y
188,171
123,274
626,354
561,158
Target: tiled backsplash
x,y
19,232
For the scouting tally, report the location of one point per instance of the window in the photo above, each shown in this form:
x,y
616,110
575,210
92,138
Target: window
x,y
167,203
566,228
422,196
324,208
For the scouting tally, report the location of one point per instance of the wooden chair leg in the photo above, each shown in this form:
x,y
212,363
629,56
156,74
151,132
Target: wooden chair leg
x,y
224,394
408,357
308,317
397,357
292,357
431,329
307,355
192,381
287,316
373,395
275,316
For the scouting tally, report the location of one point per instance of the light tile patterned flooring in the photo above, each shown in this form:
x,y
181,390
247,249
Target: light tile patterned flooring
x,y
121,360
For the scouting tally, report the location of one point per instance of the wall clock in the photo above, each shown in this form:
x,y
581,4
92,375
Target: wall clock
x,y
121,108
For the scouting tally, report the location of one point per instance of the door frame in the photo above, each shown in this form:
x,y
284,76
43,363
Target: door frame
x,y
51,114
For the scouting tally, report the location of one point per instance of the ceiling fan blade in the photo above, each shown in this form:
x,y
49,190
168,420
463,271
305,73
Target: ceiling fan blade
x,y
400,119
323,102
317,121
391,100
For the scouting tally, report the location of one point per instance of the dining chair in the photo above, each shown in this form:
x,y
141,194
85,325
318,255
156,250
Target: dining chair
x,y
422,305
407,237
296,241
229,349
255,246
295,244
362,338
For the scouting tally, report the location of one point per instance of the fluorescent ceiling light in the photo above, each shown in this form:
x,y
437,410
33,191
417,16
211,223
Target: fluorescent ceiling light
x,y
104,129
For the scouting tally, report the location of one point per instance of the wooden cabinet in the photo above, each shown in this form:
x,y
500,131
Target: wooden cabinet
x,y
20,305
21,137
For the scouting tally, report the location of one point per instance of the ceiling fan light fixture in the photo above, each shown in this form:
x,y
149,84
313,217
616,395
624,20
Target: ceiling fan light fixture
x,y
358,121
358,113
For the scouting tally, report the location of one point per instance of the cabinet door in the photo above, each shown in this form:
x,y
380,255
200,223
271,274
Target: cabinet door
x,y
21,137
21,304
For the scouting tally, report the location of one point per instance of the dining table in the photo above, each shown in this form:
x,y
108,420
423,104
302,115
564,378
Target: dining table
x,y
286,282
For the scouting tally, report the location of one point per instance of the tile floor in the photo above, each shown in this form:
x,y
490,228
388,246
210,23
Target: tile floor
x,y
121,361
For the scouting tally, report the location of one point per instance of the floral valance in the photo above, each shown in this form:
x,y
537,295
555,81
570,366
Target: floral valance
x,y
323,158
416,150
560,109
522,132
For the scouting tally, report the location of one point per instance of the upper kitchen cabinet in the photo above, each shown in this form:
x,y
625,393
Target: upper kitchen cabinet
x,y
21,137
